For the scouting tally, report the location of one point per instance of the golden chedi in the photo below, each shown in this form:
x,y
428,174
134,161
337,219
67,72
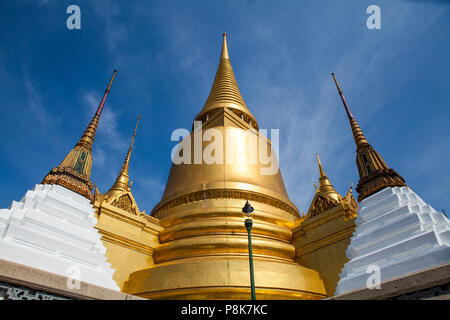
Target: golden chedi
x,y
322,237
203,250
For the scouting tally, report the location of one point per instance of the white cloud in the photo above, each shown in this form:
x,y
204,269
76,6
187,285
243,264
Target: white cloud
x,y
35,104
115,32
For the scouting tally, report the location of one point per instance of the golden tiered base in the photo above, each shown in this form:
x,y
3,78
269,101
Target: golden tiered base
x,y
225,278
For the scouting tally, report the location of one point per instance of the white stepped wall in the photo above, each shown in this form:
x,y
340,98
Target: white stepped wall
x,y
52,229
398,232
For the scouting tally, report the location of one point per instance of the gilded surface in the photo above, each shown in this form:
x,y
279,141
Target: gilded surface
x,y
322,204
237,177
120,194
70,179
374,173
322,237
124,202
203,251
129,239
228,194
327,197
225,91
128,234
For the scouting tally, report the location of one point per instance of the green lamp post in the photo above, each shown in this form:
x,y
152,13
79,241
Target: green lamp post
x,y
248,210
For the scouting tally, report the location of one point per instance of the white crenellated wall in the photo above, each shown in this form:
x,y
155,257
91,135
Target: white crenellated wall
x,y
52,229
398,232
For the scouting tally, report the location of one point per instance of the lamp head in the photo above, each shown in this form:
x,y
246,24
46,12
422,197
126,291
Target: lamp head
x,y
247,210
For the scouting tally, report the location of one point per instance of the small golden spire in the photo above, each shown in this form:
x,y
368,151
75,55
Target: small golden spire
x,y
127,158
121,184
325,186
224,54
225,91
322,173
326,196
374,173
358,135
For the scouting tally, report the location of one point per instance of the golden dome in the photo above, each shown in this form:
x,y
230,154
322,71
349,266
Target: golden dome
x,y
239,173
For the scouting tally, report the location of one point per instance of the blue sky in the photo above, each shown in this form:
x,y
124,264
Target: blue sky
x,y
396,81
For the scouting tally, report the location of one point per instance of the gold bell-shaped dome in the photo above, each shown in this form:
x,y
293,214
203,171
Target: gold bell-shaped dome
x,y
204,247
226,111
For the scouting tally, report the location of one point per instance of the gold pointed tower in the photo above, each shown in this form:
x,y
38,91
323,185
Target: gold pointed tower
x,y
322,237
74,172
119,194
374,173
327,197
203,251
325,186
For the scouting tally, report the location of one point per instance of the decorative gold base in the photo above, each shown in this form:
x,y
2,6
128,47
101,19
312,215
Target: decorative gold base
x,y
70,179
378,180
231,293
225,277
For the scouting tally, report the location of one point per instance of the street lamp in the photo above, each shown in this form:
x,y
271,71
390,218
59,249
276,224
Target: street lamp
x,y
248,210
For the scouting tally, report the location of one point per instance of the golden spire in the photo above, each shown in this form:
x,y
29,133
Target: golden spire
x,y
374,174
225,91
74,171
322,173
326,196
224,54
121,184
325,186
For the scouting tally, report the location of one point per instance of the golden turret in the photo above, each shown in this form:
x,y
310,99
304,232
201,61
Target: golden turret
x,y
374,173
327,197
74,172
325,186
203,251
322,237
119,194
121,184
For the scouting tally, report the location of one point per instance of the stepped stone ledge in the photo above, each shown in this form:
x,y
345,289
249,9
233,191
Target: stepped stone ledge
x,y
53,229
398,232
